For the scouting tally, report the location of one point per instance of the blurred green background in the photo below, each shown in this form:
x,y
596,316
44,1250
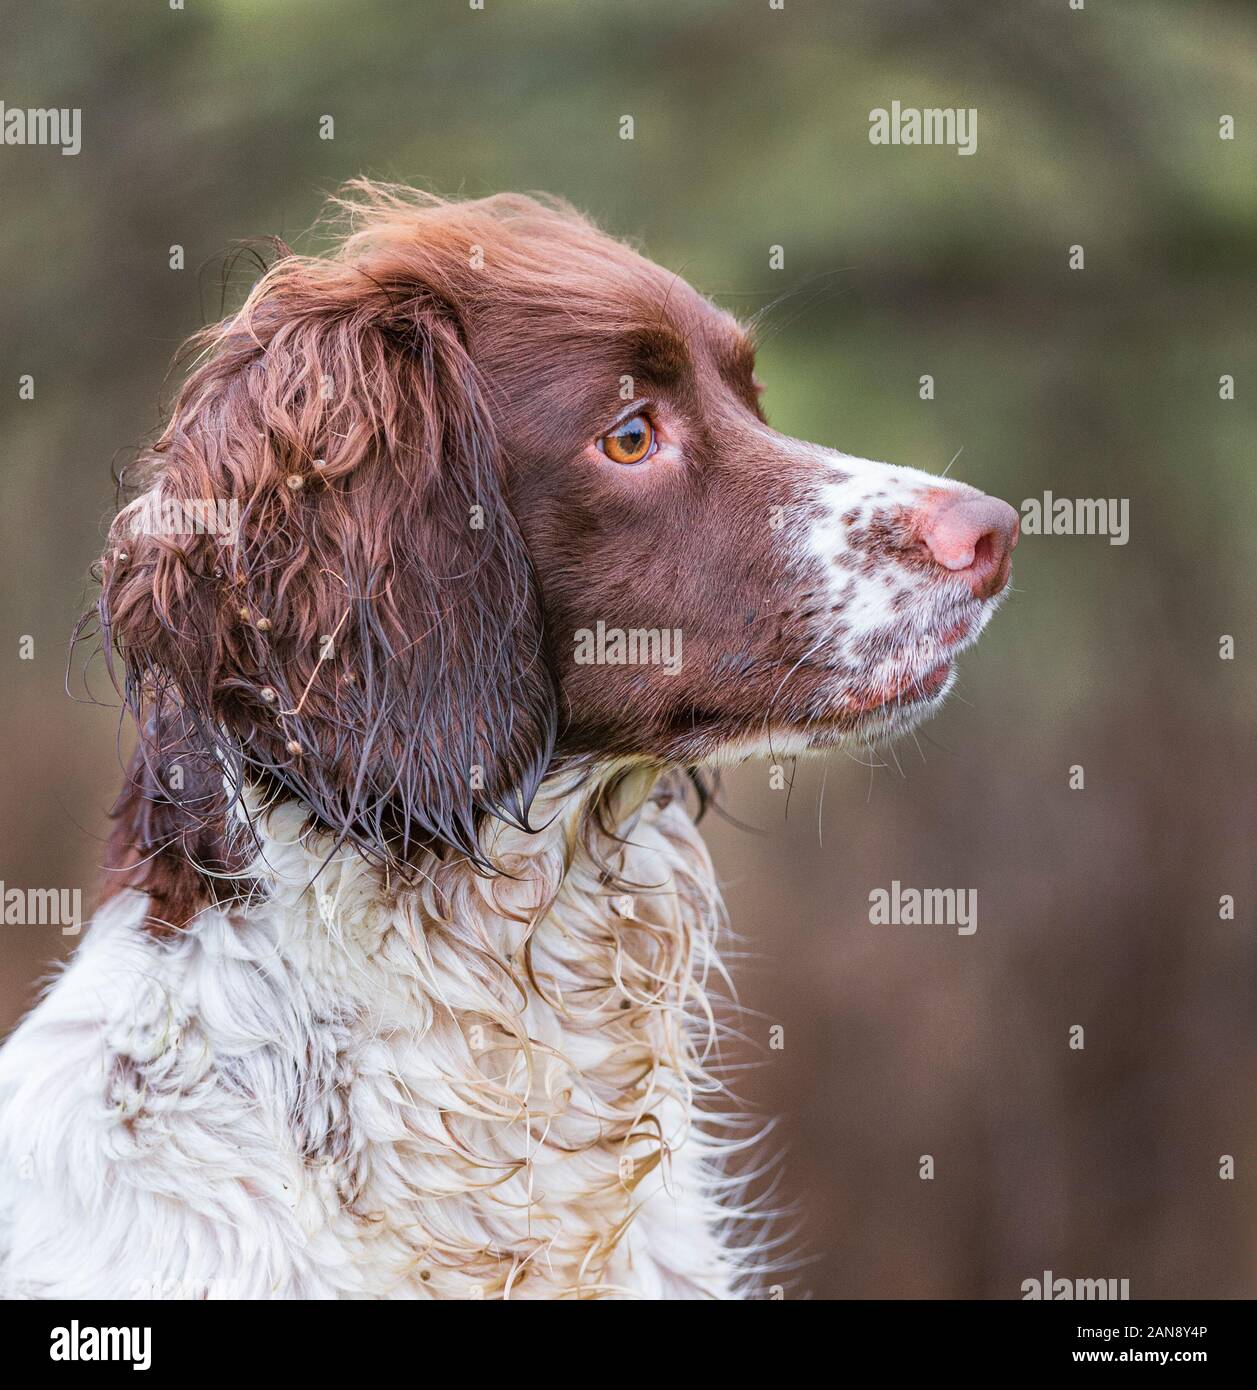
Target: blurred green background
x,y
1096,907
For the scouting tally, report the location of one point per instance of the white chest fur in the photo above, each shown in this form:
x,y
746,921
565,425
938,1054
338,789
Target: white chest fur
x,y
475,1087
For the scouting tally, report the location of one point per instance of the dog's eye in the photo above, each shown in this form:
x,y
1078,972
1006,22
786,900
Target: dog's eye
x,y
630,442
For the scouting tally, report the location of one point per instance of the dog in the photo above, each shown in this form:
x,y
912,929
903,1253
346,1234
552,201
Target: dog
x,y
400,985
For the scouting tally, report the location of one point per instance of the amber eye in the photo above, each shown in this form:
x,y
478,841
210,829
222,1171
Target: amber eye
x,y
630,442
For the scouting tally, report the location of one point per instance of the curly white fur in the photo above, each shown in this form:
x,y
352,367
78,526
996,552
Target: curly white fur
x,y
474,1087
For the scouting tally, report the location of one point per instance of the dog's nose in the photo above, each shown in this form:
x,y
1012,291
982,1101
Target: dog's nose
x,y
974,536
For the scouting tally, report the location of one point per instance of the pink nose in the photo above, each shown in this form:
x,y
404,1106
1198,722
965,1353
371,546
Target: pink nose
x,y
974,537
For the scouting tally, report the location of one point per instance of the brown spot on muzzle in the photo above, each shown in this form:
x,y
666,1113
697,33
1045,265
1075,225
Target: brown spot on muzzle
x,y
890,536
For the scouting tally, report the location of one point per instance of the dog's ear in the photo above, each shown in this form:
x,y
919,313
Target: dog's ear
x,y
323,574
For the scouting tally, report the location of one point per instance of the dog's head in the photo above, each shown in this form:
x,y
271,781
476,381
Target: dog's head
x,y
487,490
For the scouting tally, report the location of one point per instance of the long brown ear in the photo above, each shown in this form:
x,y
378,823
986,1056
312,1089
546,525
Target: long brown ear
x,y
359,626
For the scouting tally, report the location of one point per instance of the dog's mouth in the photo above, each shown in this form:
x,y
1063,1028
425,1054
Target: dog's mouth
x,y
879,713
908,689
826,703
935,679
912,680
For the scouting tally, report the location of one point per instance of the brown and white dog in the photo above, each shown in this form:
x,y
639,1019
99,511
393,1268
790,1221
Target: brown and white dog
x,y
400,985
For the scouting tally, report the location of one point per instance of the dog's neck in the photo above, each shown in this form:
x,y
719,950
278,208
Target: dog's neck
x,y
500,1071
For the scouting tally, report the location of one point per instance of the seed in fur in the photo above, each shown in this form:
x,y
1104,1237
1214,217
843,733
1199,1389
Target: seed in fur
x,y
244,614
320,463
294,747
295,481
121,556
269,694
263,624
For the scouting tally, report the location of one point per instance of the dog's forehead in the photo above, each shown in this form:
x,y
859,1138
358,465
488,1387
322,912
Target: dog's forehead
x,y
627,290
687,339
598,311
669,302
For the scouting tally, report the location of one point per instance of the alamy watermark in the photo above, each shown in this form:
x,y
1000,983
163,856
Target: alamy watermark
x,y
1077,516
43,907
77,1342
635,646
934,125
154,515
1054,1288
928,907
42,125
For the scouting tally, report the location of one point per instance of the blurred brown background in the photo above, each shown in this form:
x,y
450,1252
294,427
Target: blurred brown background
x,y
1097,907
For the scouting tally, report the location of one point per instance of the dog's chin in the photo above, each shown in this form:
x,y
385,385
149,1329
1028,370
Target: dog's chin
x,y
878,726
878,720
870,719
